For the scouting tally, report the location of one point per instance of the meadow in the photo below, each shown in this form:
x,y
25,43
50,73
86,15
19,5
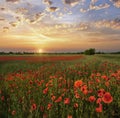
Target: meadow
x,y
60,86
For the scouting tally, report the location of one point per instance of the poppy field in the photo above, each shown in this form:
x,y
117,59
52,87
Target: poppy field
x,y
60,87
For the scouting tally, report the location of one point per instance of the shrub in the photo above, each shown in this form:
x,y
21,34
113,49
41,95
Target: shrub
x,y
90,51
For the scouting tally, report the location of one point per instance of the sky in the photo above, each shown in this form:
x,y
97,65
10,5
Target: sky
x,y
59,25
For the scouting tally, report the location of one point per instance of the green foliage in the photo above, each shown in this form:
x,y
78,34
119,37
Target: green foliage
x,y
90,51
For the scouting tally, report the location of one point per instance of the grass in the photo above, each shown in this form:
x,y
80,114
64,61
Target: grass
x,y
111,57
15,66
84,88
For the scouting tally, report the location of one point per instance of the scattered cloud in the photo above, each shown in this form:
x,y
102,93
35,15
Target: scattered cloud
x,y
101,6
52,9
116,3
60,21
93,1
18,18
48,2
35,18
2,19
83,26
71,2
92,6
21,10
14,24
112,24
2,8
84,10
12,0
5,29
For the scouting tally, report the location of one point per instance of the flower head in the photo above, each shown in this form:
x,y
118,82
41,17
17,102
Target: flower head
x,y
99,109
76,105
49,106
59,99
101,92
34,106
69,116
67,101
92,98
98,101
45,90
13,112
78,83
107,98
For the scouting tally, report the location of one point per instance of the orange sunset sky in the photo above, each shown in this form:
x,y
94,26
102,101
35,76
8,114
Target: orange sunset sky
x,y
59,25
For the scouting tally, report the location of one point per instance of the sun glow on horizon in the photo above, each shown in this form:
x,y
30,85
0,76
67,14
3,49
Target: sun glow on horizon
x,y
40,51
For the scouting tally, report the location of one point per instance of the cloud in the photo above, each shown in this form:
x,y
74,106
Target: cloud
x,y
103,40
2,19
62,30
93,1
92,6
101,6
113,24
12,0
83,26
35,18
116,3
2,8
10,12
84,10
52,9
18,18
71,2
21,10
48,2
14,24
5,29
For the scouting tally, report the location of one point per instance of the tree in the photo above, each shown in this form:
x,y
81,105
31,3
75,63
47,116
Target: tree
x,y
90,51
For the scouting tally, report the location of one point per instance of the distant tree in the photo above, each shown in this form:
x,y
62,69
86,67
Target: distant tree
x,y
90,51
10,53
2,53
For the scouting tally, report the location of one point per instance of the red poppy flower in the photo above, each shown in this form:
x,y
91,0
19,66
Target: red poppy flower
x,y
69,116
107,98
85,91
53,97
92,98
78,83
49,106
97,80
34,106
77,95
45,90
98,101
99,109
101,92
76,105
67,101
31,82
59,99
2,98
107,83
104,77
13,112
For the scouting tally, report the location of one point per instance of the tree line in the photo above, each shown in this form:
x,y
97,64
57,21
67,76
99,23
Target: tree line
x,y
90,51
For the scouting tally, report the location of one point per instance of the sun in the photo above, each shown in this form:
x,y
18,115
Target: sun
x,y
40,50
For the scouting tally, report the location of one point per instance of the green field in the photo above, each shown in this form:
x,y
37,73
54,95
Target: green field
x,y
83,88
